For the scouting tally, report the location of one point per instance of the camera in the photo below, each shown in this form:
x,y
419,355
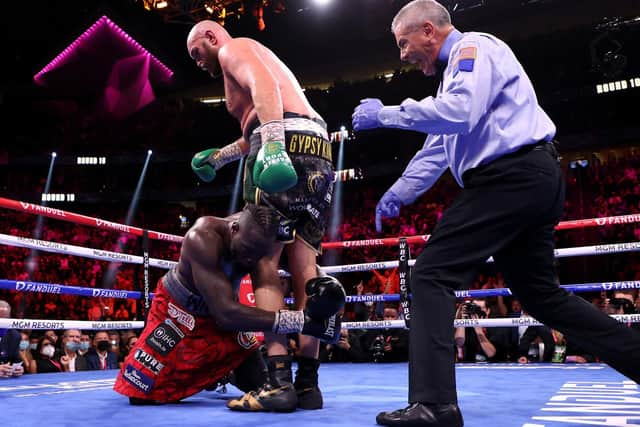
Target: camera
x,y
378,349
471,308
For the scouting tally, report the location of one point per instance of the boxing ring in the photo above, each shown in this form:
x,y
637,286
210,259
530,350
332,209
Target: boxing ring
x,y
493,395
490,395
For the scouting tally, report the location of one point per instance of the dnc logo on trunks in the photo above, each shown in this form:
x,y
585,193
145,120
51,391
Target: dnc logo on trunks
x,y
247,340
138,379
182,317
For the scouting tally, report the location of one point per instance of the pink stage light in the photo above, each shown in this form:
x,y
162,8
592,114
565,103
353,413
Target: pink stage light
x,y
82,42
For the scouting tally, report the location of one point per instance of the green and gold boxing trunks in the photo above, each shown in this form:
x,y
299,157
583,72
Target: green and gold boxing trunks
x,y
307,204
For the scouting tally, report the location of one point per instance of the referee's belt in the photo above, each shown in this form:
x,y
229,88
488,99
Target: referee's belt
x,y
548,146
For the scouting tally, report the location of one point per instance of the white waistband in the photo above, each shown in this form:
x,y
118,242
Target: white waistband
x,y
302,124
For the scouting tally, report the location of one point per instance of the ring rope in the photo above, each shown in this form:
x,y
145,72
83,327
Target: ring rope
x,y
99,254
54,288
476,323
155,235
563,225
63,248
31,208
41,324
559,253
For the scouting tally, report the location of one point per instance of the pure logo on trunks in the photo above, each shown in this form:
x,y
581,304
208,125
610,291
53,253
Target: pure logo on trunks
x,y
148,361
138,379
182,317
163,338
247,340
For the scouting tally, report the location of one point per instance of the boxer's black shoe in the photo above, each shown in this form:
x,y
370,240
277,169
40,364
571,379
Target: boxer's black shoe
x,y
306,384
267,398
277,395
309,398
423,415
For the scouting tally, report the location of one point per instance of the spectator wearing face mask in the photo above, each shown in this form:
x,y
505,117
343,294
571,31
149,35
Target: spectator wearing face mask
x,y
10,363
45,360
85,344
100,357
26,355
70,360
33,345
53,337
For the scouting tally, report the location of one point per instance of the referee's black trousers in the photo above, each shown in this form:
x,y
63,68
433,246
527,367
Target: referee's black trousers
x,y
508,210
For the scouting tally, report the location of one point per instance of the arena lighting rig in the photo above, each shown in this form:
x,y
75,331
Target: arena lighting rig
x,y
188,12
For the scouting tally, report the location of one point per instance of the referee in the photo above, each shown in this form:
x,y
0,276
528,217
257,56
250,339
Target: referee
x,y
486,126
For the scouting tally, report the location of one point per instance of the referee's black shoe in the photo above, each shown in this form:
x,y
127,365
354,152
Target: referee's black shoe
x,y
423,415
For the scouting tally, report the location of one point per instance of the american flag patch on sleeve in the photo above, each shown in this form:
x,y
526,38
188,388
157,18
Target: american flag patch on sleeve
x,y
466,58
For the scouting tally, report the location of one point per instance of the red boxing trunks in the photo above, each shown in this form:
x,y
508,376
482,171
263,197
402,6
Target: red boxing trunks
x,y
179,354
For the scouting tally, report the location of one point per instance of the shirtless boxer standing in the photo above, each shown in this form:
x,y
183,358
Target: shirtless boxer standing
x,y
190,340
262,93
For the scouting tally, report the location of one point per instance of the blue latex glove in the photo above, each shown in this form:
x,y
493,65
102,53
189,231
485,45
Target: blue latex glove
x,y
388,207
365,115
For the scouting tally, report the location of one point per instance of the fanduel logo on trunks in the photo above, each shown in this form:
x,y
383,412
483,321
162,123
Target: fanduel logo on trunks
x,y
182,317
138,379
148,361
164,337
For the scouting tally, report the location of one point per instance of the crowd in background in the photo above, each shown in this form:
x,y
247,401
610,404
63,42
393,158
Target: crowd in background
x,y
602,180
605,185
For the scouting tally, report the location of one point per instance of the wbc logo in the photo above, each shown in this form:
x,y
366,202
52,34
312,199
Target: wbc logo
x,y
247,340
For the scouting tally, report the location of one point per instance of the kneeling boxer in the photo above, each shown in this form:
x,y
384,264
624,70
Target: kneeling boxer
x,y
190,341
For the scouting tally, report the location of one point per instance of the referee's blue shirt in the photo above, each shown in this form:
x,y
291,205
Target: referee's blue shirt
x,y
485,108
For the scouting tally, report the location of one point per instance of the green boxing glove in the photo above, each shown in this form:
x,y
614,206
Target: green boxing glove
x,y
273,171
207,162
201,165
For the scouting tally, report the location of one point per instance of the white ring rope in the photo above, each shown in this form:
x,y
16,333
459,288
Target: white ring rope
x,y
44,324
473,323
63,248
